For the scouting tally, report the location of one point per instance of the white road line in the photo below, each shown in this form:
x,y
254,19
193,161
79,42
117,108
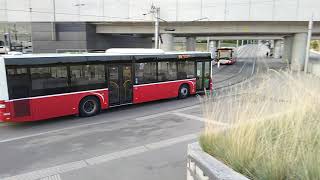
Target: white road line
x,y
116,155
48,132
165,113
54,177
199,118
189,116
143,118
49,171
56,170
187,108
171,142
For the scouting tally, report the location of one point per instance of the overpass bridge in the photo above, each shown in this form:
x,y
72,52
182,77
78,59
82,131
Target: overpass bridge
x,y
101,24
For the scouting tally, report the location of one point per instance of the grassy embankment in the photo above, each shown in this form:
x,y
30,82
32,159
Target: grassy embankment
x,y
273,129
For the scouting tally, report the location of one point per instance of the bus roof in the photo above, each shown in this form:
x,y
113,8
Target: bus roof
x,y
40,59
100,54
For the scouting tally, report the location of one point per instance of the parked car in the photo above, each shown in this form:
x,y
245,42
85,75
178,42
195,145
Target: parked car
x,y
4,50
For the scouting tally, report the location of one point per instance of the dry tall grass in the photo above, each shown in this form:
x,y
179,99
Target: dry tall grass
x,y
272,129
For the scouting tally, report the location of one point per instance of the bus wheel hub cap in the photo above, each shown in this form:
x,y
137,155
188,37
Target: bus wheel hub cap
x,y
89,106
184,91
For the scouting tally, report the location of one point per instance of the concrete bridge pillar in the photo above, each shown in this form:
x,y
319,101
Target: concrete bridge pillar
x,y
216,44
167,42
277,48
191,43
213,45
287,54
299,51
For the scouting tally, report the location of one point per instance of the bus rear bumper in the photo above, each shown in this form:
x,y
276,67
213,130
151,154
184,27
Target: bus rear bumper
x,y
5,116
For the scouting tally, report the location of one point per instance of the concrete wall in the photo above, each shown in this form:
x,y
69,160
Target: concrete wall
x,y
104,41
81,36
69,36
202,166
170,10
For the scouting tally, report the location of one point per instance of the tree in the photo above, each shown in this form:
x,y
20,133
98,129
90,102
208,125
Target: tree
x,y
315,45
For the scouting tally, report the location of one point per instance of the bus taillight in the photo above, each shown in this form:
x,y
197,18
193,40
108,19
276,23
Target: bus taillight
x,y
2,110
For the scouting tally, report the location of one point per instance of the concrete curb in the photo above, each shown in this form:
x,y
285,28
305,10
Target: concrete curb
x,y
201,165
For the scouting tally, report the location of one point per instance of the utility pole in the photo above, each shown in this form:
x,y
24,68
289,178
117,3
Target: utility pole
x,y
156,12
225,9
31,36
54,35
306,61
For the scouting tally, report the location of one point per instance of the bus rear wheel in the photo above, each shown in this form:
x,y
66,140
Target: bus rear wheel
x,y
89,106
183,91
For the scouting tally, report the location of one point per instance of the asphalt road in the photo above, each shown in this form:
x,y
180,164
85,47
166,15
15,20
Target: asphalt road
x,y
147,141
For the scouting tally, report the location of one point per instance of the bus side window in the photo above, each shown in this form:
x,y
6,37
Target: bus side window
x,y
186,69
145,72
167,71
87,77
18,82
49,78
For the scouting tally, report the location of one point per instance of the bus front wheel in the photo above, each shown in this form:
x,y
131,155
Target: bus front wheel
x,y
183,91
89,106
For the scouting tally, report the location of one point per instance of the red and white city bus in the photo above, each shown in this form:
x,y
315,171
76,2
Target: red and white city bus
x,y
38,87
226,55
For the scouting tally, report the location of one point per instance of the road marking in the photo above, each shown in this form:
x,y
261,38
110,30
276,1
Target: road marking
x,y
170,142
187,108
165,113
188,116
49,171
116,155
47,132
56,170
54,177
142,118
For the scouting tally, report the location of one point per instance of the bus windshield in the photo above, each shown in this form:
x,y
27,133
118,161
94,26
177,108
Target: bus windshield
x,y
224,54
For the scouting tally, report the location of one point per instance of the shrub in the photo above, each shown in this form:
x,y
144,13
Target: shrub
x,y
271,128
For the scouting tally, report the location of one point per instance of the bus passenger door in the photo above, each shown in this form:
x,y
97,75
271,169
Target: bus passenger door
x,y
199,77
207,75
127,85
120,84
203,70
